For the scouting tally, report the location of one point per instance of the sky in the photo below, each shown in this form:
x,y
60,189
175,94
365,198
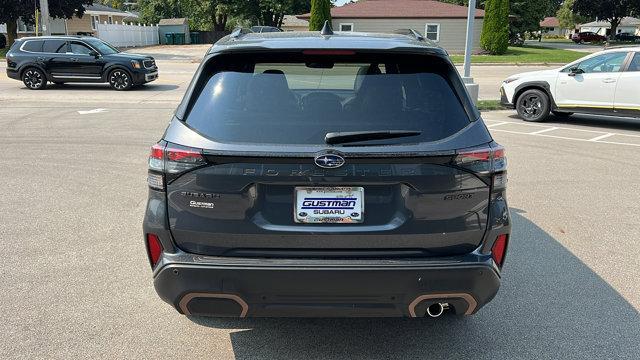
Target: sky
x,y
341,2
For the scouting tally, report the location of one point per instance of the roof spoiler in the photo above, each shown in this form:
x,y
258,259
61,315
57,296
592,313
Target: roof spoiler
x,y
410,32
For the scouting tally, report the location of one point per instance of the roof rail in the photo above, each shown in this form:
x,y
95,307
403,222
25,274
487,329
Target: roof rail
x,y
239,32
410,32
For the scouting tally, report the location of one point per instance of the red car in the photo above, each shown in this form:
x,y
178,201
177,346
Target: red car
x,y
587,36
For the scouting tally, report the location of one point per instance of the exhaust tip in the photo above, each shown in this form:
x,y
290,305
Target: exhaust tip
x,y
436,309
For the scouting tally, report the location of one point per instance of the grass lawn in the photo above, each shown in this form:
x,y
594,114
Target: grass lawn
x,y
3,52
484,105
525,55
565,40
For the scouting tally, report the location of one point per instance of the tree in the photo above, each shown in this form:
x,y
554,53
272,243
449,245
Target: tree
x,y
495,29
567,18
11,10
527,15
479,3
320,12
116,4
272,12
611,10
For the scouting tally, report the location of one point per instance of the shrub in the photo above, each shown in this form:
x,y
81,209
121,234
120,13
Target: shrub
x,y
320,12
495,29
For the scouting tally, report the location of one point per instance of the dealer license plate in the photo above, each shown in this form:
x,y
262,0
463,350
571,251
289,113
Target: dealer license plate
x,y
335,205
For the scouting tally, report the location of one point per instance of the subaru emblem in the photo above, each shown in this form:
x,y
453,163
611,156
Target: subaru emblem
x,y
329,161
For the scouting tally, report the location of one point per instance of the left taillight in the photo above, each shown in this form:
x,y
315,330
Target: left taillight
x,y
167,161
154,249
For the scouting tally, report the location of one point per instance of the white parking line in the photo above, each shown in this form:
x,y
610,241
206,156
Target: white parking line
x,y
544,132
602,137
497,124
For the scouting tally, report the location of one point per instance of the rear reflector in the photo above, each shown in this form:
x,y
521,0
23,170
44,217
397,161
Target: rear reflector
x,y
154,248
499,249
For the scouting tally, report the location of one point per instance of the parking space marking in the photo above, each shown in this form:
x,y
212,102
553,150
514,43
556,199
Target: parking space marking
x,y
497,124
94,111
547,130
543,130
602,137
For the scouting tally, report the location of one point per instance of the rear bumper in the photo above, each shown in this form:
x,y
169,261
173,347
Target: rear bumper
x,y
13,74
235,287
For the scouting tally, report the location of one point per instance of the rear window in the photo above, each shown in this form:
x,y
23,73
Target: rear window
x,y
298,99
33,46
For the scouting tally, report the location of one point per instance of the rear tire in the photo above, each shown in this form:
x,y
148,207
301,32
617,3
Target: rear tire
x,y
34,79
533,105
120,80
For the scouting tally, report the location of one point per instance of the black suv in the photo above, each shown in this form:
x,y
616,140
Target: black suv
x,y
60,59
309,174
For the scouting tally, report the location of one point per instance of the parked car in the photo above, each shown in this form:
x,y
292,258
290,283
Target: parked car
x,y
603,83
587,36
326,175
62,59
627,37
265,29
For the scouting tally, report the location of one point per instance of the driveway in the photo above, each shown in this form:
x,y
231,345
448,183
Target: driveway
x,y
585,48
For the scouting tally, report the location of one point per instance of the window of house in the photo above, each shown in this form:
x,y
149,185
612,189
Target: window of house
x,y
346,27
432,32
95,20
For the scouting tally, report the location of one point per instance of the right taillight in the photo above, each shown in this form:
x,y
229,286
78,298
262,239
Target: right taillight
x,y
486,160
499,249
167,161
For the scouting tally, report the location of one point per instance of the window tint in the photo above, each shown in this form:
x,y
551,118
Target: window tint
x,y
635,63
604,63
80,48
33,46
300,102
55,46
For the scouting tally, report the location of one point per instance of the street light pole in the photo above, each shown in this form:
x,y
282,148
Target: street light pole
x,y
44,12
472,88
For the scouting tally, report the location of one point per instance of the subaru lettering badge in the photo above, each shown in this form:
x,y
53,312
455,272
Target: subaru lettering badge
x,y
329,161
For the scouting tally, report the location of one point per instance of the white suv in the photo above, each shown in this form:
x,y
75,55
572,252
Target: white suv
x,y
604,83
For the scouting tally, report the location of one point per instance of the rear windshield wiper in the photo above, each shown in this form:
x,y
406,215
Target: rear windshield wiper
x,y
353,136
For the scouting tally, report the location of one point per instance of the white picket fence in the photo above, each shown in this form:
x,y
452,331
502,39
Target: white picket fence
x,y
128,35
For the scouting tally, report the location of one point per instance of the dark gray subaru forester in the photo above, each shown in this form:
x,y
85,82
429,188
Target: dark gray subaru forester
x,y
320,174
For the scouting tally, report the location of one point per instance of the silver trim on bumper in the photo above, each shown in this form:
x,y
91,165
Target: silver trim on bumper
x,y
151,76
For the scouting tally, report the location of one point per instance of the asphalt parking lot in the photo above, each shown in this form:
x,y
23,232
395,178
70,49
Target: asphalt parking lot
x,y
76,282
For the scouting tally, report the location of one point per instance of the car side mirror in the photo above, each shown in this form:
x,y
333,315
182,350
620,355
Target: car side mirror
x,y
94,54
575,71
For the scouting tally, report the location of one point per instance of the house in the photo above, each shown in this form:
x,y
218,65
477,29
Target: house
x,y
86,25
444,23
551,26
602,27
292,23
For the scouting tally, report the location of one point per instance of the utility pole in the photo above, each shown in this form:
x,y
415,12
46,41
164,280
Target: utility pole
x,y
44,12
472,88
